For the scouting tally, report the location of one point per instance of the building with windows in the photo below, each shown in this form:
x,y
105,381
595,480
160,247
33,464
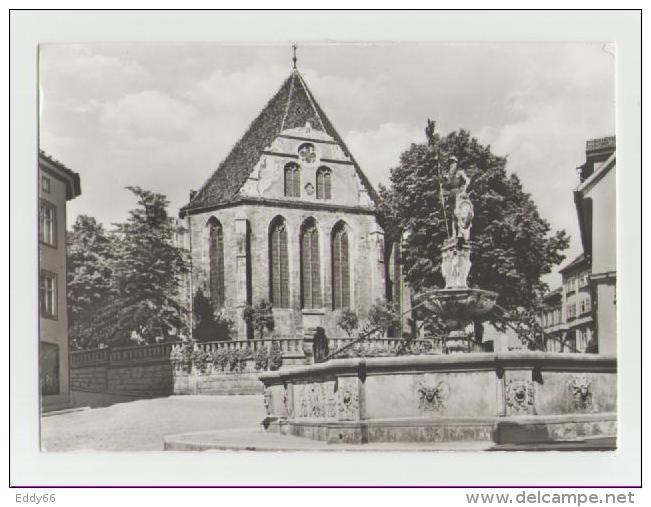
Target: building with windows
x,y
552,321
288,216
57,185
595,200
578,334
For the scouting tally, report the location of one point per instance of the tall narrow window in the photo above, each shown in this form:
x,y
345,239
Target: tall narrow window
x,y
324,183
310,267
340,270
47,230
279,264
216,264
48,295
292,180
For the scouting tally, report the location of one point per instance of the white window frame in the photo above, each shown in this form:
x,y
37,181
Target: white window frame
x,y
47,230
48,295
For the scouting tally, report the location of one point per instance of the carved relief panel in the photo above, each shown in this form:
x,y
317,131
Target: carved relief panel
x,y
519,397
581,392
433,396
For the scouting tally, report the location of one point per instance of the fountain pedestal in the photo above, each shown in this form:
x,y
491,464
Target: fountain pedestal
x,y
459,305
459,309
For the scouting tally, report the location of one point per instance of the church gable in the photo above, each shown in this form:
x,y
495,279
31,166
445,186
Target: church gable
x,y
292,115
308,165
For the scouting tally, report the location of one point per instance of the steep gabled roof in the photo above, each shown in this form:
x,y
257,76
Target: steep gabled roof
x,y
292,106
580,260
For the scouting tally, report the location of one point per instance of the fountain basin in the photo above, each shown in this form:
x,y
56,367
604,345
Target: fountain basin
x,y
463,303
483,397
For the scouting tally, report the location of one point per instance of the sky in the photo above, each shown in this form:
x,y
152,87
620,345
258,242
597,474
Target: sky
x,y
163,116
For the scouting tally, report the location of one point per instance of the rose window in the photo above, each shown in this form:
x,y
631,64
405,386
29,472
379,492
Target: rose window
x,y
307,153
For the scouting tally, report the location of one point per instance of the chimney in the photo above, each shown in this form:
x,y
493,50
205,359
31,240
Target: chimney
x,y
597,152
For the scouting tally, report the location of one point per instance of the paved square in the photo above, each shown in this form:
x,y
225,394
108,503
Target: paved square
x,y
140,425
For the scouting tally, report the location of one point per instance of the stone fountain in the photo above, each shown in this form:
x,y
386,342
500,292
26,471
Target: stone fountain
x,y
486,398
457,304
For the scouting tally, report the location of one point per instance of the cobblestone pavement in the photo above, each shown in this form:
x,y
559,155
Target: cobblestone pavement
x,y
140,425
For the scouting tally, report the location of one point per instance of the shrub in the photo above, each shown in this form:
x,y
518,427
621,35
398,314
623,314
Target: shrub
x,y
182,357
260,317
200,359
261,358
209,325
275,356
348,321
384,315
221,359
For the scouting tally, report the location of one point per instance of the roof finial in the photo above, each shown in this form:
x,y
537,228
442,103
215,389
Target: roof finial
x,y
294,58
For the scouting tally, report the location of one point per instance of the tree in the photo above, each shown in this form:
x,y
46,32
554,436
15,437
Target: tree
x,y
512,245
260,317
348,321
209,326
89,279
147,271
383,314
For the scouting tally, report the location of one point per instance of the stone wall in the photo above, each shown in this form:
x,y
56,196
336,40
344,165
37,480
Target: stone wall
x,y
219,368
159,370
218,383
138,371
246,261
511,397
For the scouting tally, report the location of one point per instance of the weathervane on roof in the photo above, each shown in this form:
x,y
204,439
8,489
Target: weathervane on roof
x,y
294,58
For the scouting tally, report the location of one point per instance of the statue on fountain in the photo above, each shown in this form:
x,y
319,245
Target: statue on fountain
x,y
455,254
457,304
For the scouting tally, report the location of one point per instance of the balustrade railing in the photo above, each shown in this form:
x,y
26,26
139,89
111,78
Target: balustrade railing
x,y
387,346
79,357
288,347
153,352
286,344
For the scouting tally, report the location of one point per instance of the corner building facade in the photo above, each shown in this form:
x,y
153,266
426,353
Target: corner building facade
x,y
289,217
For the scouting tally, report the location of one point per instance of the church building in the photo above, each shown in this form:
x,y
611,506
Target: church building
x,y
288,217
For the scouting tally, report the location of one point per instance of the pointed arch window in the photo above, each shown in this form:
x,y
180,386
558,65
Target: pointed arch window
x,y
216,262
340,269
279,264
324,183
292,180
310,267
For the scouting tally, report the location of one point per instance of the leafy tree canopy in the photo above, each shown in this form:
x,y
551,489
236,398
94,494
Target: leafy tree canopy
x,y
145,271
89,278
260,317
512,245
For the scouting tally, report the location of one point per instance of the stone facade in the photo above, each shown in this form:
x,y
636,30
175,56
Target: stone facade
x,y
57,185
247,269
596,200
511,397
291,134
